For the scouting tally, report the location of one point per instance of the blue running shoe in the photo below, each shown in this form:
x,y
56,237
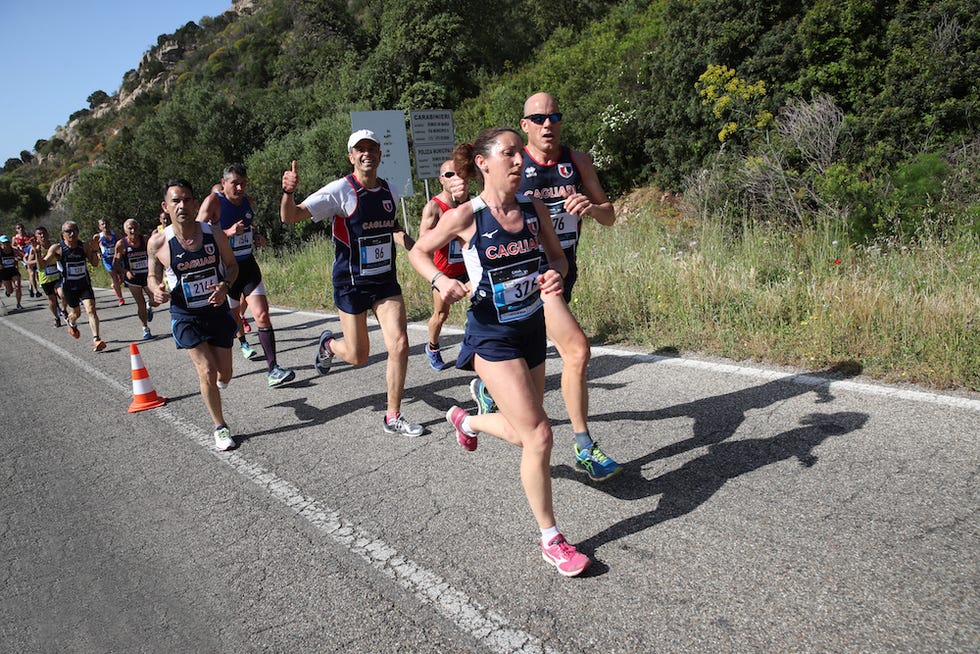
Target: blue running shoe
x,y
279,376
484,403
322,361
596,464
435,358
247,352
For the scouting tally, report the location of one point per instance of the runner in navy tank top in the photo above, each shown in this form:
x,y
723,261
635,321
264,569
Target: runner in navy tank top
x,y
362,211
200,268
505,236
230,209
9,272
105,240
130,261
73,257
567,182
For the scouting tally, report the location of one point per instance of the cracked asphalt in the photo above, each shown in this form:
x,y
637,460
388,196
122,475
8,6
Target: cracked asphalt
x,y
758,510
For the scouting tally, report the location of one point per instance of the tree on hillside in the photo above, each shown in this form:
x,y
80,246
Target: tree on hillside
x,y
20,198
97,98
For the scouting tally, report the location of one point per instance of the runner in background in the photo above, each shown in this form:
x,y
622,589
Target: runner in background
x,y
22,242
48,275
449,259
131,263
105,240
230,210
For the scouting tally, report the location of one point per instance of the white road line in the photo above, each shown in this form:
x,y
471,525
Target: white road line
x,y
754,373
484,625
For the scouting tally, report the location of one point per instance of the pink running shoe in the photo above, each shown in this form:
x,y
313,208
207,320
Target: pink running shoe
x,y
569,561
455,416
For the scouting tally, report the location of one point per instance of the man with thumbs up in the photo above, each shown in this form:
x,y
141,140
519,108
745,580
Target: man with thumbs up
x,y
362,209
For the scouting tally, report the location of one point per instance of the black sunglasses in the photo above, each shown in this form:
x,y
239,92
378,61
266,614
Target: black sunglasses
x,y
538,119
71,231
449,173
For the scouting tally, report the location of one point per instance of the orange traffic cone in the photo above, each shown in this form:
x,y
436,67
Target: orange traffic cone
x,y
144,396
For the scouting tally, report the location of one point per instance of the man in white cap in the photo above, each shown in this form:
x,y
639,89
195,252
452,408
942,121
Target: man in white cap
x,y
363,211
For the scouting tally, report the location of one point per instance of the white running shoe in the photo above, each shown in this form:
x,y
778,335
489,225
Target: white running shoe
x,y
222,439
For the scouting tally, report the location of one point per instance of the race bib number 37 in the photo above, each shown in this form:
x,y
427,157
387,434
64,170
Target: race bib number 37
x,y
516,294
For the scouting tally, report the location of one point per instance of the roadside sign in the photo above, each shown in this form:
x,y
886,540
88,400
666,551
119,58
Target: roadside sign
x,y
433,137
395,165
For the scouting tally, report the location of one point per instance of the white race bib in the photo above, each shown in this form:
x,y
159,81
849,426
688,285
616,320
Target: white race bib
x,y
375,254
516,294
198,287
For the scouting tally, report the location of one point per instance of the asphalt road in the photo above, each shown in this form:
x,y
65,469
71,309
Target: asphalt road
x,y
759,509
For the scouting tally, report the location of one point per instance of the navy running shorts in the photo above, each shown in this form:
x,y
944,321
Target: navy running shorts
x,y
74,296
214,327
530,344
358,299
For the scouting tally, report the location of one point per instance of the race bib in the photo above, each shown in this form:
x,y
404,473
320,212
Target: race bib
x,y
516,294
242,243
566,225
138,263
8,262
455,252
375,254
76,270
197,287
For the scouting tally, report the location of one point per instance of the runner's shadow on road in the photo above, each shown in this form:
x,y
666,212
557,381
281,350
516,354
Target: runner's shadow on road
x,y
688,487
306,416
717,418
320,323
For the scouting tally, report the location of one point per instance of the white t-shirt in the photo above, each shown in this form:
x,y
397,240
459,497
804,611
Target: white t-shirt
x,y
338,198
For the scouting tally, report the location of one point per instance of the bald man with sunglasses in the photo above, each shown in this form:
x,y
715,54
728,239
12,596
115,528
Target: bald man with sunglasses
x,y
566,181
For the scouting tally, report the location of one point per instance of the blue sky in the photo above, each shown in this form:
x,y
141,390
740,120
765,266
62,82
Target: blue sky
x,y
55,53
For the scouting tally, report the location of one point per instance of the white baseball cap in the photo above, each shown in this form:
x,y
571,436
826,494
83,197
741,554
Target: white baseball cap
x,y
360,135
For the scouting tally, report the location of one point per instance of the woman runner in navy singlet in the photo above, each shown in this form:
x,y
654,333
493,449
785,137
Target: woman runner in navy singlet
x,y
503,236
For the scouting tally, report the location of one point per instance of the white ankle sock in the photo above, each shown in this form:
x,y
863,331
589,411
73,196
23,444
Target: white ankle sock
x,y
547,535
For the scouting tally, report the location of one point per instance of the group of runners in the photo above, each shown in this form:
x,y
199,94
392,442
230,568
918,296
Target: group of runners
x,y
510,249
